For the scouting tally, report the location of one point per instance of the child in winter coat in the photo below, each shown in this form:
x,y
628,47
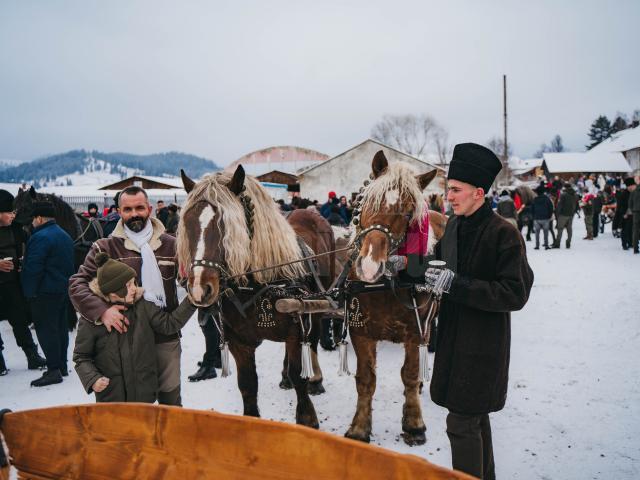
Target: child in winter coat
x,y
122,367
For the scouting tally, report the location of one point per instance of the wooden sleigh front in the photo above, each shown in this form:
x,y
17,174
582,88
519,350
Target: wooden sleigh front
x,y
141,441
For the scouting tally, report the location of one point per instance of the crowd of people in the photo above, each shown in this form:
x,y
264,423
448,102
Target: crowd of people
x,y
598,200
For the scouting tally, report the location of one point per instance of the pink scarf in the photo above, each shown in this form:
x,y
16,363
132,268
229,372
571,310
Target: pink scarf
x,y
417,239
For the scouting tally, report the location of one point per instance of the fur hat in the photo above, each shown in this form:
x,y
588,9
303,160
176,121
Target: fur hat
x,y
6,201
43,209
474,164
113,275
629,181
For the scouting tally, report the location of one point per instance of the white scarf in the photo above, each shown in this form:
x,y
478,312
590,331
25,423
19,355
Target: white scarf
x,y
151,276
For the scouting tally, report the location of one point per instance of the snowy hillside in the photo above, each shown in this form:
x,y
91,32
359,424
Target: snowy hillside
x,y
82,167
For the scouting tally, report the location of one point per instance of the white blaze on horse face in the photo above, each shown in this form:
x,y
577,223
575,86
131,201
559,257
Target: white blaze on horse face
x,y
205,218
392,197
369,266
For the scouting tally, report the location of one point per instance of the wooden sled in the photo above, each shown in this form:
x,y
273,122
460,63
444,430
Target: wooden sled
x,y
141,441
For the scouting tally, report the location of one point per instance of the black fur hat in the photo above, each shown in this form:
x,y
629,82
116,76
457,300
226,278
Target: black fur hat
x,y
6,201
474,164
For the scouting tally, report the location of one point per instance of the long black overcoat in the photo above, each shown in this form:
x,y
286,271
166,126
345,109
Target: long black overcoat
x,y
471,367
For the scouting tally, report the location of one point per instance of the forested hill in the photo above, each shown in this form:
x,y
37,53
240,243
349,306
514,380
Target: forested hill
x,y
64,168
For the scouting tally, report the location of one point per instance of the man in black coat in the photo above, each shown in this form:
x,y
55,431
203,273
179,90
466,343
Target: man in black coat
x,y
622,219
14,305
489,277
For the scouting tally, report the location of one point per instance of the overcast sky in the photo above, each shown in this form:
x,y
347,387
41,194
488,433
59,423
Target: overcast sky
x,y
221,79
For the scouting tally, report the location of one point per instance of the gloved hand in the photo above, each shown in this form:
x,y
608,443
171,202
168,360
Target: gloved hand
x,y
439,280
394,264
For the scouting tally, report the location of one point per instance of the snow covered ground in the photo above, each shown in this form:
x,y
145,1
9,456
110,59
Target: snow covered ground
x,y
573,410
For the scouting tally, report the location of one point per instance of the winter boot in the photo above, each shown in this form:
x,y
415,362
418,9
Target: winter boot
x,y
3,366
205,372
34,360
64,370
50,377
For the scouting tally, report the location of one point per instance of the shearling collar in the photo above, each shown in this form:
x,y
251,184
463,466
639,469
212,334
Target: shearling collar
x,y
154,243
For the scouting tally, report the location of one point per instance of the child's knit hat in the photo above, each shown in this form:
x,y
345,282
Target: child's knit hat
x,y
113,275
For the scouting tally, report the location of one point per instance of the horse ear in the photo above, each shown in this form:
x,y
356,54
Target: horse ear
x,y
426,178
379,164
186,181
236,185
32,192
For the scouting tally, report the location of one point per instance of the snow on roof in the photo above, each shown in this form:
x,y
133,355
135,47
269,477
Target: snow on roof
x,y
519,166
621,141
313,167
598,161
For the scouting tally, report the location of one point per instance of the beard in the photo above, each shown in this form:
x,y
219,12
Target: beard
x,y
136,224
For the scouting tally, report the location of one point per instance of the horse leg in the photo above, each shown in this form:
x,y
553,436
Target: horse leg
x,y
315,386
305,412
412,421
365,349
285,383
245,357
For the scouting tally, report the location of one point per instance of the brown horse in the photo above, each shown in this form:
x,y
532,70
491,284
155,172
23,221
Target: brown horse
x,y
389,205
230,226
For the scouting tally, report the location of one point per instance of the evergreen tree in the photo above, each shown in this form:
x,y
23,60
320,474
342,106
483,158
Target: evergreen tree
x,y
600,130
620,123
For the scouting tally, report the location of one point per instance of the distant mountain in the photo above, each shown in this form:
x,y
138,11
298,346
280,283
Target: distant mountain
x,y
8,163
82,167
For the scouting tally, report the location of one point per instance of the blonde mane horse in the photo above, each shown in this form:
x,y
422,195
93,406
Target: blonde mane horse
x,y
229,228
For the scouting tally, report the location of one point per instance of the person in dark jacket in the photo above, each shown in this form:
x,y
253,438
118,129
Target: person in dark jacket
x,y
173,219
325,209
162,212
47,267
542,211
566,209
123,368
14,306
507,208
587,208
486,259
623,220
597,210
634,213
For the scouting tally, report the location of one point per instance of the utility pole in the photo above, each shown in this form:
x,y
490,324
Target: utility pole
x,y
505,150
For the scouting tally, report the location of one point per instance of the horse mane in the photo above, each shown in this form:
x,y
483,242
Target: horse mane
x,y
274,240
401,177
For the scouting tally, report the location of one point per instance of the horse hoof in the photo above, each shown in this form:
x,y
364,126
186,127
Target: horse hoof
x,y
315,388
286,384
366,438
414,438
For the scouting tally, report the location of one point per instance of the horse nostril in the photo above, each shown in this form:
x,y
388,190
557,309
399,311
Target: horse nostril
x,y
207,291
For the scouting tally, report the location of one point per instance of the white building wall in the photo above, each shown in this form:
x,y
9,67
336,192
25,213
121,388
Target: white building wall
x,y
633,157
346,173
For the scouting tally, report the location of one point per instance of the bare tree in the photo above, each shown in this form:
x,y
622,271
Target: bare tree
x,y
408,133
443,147
496,145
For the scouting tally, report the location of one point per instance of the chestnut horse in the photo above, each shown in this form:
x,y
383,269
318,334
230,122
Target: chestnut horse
x,y
230,226
389,205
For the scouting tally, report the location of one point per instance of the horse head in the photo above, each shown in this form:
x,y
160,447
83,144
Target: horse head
x,y
24,206
388,205
201,250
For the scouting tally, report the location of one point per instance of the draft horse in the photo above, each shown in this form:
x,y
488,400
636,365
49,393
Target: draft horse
x,y
230,237
389,204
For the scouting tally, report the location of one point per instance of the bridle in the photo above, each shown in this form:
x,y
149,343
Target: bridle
x,y
220,266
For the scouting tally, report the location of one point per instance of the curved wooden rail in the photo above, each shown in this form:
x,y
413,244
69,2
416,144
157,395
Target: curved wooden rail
x,y
141,441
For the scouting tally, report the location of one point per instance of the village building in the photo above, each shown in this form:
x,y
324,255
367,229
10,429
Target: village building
x,y
346,172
